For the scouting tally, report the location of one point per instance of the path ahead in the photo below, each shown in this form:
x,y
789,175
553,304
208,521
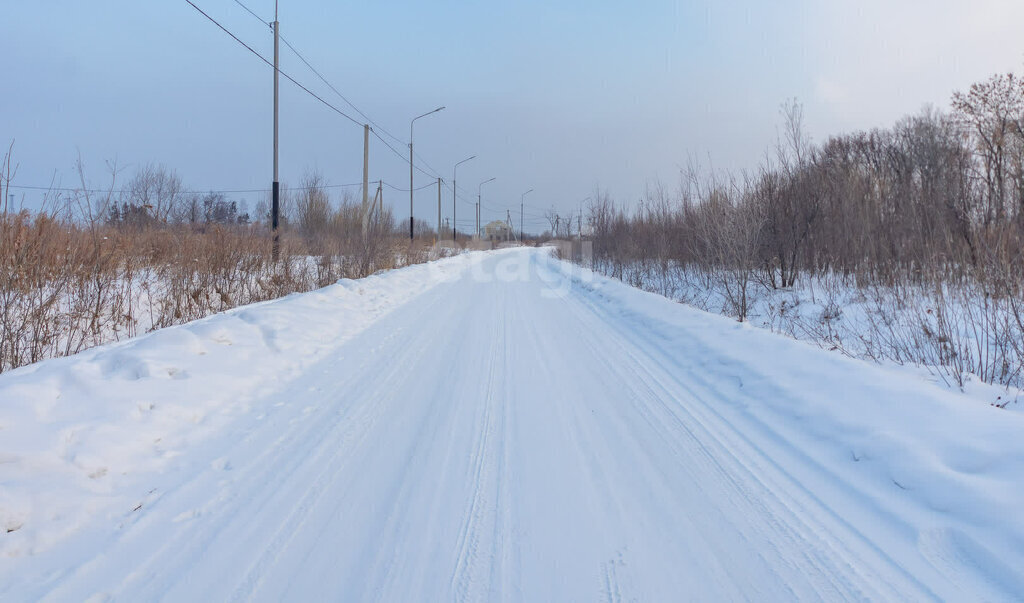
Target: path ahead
x,y
517,434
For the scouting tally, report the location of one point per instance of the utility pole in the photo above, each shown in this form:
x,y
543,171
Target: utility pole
x,y
275,210
369,212
508,221
410,183
437,236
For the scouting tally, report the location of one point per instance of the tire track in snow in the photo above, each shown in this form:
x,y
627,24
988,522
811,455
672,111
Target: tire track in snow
x,y
303,444
435,420
543,449
647,371
505,529
333,466
548,338
462,579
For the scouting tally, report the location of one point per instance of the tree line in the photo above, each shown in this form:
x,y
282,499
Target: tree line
x,y
925,218
939,195
89,268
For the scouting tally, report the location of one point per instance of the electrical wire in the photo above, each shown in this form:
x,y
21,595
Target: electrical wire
x,y
335,90
373,130
405,190
121,191
320,75
376,126
250,11
424,162
401,156
286,76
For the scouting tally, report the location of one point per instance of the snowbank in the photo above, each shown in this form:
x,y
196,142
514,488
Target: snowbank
x,y
77,432
956,333
946,467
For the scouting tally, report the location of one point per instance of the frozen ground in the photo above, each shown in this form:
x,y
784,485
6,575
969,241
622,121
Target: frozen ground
x,y
503,426
957,335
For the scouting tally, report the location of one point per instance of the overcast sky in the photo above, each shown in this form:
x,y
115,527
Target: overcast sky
x,y
560,97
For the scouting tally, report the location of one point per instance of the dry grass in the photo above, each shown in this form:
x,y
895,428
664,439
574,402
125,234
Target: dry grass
x,y
65,286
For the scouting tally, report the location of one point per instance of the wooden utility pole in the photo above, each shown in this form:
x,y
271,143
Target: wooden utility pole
x,y
437,237
379,196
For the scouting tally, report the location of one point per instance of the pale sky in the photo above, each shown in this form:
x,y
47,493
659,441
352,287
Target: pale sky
x,y
558,97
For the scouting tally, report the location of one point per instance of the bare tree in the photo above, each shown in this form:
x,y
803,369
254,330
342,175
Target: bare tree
x,y
313,205
155,192
993,112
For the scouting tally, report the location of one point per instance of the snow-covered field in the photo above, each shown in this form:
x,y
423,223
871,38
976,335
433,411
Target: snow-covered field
x,y
498,425
959,336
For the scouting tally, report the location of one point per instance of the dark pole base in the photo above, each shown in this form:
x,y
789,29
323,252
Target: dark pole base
x,y
275,219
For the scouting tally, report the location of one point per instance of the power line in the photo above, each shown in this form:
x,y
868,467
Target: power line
x,y
313,94
262,58
121,191
482,204
335,90
322,78
250,11
424,162
457,195
404,158
463,191
405,190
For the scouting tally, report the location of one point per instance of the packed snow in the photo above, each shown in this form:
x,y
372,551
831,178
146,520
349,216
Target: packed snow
x,y
957,334
498,425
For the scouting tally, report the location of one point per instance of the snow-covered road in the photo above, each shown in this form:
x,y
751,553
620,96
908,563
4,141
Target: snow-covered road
x,y
523,431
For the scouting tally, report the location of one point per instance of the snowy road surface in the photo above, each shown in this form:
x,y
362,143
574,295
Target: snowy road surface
x,y
522,431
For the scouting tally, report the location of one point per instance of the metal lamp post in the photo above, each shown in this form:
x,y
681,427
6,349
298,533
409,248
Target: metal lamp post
x,y
478,193
411,168
455,172
522,212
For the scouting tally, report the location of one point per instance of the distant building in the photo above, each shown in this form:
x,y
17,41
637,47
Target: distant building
x,y
497,231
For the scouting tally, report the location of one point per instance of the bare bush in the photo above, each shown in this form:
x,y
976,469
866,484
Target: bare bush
x,y
924,219
97,273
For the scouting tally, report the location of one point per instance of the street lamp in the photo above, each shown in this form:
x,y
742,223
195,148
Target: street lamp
x,y
410,164
455,172
478,192
522,212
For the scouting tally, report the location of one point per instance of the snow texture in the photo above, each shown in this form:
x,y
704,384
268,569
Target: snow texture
x,y
499,425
